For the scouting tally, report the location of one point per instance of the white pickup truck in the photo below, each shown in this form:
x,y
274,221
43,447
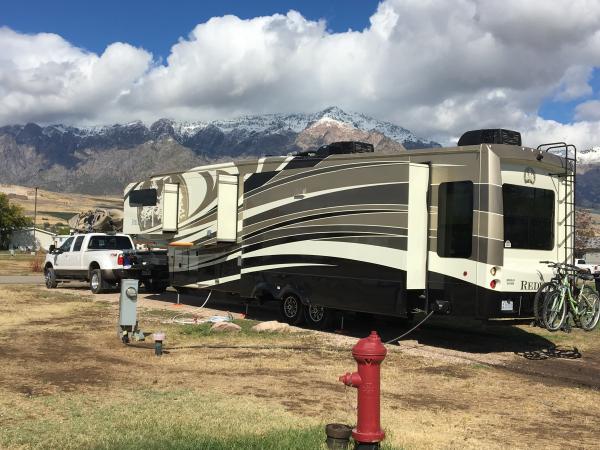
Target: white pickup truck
x,y
102,260
594,269
96,258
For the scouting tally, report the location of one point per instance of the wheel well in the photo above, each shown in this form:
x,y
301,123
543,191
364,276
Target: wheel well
x,y
262,292
48,265
93,265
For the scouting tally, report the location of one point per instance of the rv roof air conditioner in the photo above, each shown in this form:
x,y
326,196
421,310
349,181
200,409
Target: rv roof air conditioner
x,y
498,136
339,148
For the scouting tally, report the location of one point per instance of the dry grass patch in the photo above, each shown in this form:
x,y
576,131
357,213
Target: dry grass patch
x,y
20,264
69,383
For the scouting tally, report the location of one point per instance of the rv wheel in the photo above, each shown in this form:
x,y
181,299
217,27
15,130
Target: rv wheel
x,y
318,317
292,309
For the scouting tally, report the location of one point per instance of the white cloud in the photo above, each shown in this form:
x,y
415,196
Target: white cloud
x,y
437,68
589,110
44,78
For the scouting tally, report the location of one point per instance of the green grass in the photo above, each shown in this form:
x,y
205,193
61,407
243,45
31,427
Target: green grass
x,y
203,331
156,419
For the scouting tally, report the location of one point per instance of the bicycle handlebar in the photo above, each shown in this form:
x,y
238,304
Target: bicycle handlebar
x,y
560,265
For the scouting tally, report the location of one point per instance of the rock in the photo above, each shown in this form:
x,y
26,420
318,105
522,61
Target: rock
x,y
272,326
226,327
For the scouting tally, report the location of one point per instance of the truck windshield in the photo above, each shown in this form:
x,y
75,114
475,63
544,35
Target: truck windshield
x,y
109,243
528,217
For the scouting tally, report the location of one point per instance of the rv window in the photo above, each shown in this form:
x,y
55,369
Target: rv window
x,y
455,219
528,217
142,197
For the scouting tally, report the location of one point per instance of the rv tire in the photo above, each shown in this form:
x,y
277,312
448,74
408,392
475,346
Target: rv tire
x,y
291,309
318,317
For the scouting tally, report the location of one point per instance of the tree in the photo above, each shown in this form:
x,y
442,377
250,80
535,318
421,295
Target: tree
x,y
584,232
12,218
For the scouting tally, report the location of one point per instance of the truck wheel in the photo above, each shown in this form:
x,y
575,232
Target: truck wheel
x,y
318,317
50,278
97,284
291,309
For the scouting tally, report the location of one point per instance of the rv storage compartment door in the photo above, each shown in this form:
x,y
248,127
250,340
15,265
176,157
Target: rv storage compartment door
x,y
170,204
416,257
227,203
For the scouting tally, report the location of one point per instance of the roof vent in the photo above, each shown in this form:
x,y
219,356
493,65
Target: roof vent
x,y
498,136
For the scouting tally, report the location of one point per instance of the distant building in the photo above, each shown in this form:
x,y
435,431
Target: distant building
x,y
23,239
592,253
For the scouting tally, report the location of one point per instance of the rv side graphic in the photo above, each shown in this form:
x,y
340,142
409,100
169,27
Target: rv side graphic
x,y
460,229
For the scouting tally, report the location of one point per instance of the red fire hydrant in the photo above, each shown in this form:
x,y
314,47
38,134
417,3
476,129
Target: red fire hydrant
x,y
369,352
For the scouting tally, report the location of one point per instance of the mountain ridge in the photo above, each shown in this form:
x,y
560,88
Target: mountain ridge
x,y
102,159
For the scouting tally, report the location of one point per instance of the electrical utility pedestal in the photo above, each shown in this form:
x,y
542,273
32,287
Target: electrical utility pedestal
x,y
128,324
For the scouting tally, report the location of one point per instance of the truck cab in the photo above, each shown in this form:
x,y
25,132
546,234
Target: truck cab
x,y
97,258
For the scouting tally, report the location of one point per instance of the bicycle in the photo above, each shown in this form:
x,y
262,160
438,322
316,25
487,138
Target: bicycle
x,y
545,289
561,303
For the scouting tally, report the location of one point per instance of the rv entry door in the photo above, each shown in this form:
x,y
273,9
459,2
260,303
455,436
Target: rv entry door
x,y
418,226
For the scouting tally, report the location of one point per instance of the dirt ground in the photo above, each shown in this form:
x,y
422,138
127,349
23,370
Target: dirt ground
x,y
445,386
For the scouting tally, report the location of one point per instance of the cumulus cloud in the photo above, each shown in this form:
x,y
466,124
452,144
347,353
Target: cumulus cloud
x,y
437,68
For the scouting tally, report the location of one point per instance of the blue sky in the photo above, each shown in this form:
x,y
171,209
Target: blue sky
x,y
564,111
156,25
437,68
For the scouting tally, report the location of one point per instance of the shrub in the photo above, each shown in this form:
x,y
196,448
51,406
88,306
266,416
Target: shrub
x,y
37,262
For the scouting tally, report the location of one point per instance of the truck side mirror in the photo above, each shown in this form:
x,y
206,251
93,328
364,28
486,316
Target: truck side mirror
x,y
51,248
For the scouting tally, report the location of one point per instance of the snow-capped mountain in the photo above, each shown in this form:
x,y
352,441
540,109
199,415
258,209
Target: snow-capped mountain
x,y
296,123
589,156
103,158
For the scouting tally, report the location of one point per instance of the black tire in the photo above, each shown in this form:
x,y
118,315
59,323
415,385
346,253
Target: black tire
x,y
291,309
318,317
97,284
538,302
589,307
50,278
554,311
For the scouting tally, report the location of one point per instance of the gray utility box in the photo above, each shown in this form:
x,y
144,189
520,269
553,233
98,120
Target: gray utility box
x,y
128,303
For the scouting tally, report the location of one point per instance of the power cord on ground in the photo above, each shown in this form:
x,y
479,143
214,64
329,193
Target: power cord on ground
x,y
181,320
391,341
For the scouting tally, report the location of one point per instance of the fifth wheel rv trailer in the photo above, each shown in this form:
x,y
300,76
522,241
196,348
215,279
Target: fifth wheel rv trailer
x,y
457,230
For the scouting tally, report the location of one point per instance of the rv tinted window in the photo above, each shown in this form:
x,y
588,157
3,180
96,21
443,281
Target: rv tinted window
x,y
528,217
142,197
455,219
109,243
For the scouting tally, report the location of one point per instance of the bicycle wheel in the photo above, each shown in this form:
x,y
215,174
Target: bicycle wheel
x,y
538,301
589,309
554,311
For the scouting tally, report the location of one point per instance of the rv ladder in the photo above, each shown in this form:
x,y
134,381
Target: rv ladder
x,y
569,181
